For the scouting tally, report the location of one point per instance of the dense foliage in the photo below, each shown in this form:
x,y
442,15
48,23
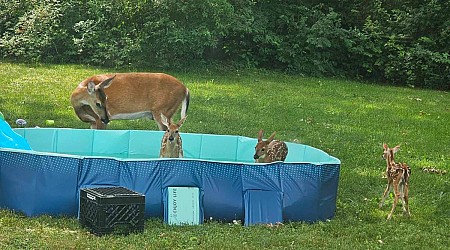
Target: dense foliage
x,y
401,42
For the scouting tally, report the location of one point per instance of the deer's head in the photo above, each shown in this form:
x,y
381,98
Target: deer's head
x,y
388,153
97,98
172,132
262,146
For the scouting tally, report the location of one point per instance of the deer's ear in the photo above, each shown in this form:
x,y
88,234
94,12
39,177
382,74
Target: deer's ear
x,y
180,123
260,135
385,146
91,88
271,136
164,120
106,83
396,149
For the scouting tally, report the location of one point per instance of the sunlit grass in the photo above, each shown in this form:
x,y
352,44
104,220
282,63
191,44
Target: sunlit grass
x,y
347,119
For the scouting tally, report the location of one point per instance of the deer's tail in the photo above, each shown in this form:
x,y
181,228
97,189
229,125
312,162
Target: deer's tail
x,y
185,104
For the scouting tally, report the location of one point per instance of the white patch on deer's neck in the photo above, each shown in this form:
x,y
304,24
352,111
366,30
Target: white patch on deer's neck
x,y
132,116
262,156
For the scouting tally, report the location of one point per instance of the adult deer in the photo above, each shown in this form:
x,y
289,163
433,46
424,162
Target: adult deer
x,y
123,96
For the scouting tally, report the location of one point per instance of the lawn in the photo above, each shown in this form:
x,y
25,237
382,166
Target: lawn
x,y
348,119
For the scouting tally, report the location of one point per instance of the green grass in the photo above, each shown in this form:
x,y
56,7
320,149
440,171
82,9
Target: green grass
x,y
347,119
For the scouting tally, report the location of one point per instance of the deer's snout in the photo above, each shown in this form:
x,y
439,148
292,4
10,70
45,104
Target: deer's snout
x,y
105,120
256,156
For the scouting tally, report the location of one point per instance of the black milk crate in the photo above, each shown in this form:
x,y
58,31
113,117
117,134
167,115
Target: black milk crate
x,y
111,210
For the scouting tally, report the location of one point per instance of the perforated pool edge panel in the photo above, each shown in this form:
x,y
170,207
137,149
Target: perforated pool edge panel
x,y
304,185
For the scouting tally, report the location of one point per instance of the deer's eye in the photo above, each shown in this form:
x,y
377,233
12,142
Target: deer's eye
x,y
176,131
262,149
98,104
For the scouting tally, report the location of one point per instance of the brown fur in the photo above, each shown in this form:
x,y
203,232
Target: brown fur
x,y
269,150
171,143
398,178
129,96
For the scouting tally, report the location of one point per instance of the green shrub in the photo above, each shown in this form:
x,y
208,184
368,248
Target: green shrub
x,y
107,34
399,42
36,34
179,33
289,37
403,46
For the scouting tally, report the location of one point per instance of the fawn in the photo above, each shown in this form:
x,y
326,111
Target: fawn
x,y
171,143
398,177
270,150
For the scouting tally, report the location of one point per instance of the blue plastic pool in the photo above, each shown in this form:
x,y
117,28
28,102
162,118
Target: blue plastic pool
x,y
47,179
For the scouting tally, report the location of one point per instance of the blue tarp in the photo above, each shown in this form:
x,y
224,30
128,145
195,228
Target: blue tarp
x,y
300,189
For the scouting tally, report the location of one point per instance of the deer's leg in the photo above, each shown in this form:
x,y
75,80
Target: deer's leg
x,y
402,195
397,195
405,201
385,194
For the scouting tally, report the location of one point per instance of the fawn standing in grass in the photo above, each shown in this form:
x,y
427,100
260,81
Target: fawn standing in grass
x,y
398,177
270,150
171,143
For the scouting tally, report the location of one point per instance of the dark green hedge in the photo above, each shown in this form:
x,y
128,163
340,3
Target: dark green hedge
x,y
401,42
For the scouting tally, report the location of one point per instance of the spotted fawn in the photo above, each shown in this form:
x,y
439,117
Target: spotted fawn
x,y
398,178
171,143
269,150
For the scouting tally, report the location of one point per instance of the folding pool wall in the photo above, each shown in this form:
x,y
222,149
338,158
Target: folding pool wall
x,y
47,179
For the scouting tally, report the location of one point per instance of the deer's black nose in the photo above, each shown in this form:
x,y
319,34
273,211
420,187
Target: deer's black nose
x,y
105,120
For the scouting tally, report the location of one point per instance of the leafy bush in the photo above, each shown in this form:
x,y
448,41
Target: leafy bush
x,y
288,36
36,33
395,45
313,46
400,42
106,34
178,33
